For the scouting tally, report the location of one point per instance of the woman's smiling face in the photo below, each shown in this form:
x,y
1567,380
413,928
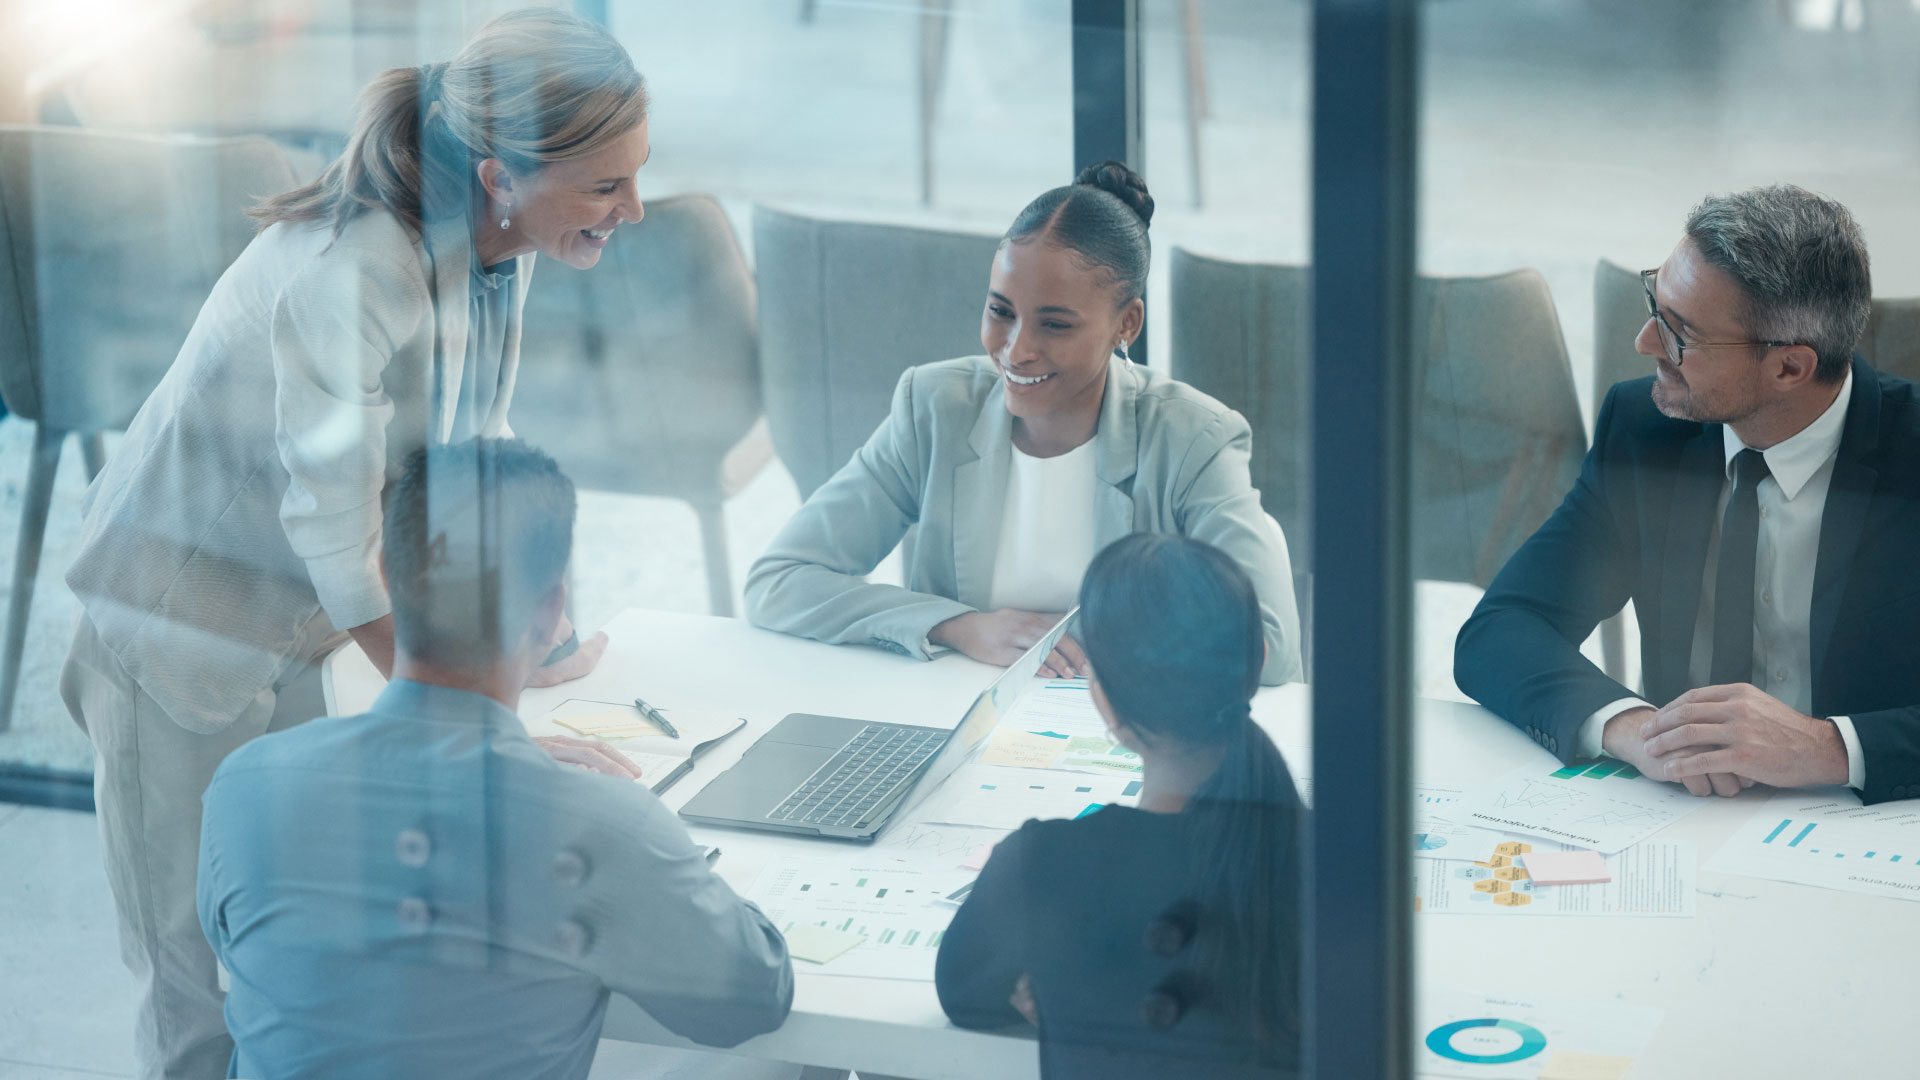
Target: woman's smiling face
x,y
1050,324
567,210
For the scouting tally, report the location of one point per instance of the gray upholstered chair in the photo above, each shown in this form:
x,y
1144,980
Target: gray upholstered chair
x,y
642,375
1892,340
111,243
844,309
1619,311
1497,435
1891,343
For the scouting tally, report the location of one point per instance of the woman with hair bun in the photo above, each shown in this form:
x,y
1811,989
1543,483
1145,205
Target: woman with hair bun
x,y
1159,942
1017,466
234,538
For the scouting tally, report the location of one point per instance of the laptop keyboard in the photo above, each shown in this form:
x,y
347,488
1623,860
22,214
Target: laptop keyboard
x,y
865,771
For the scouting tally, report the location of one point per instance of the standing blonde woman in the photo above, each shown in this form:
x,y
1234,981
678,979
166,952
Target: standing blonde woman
x,y
234,538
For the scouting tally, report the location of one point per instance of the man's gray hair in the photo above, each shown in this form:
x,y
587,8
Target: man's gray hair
x,y
1801,263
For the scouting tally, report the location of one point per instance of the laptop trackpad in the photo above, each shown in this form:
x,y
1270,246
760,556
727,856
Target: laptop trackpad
x,y
808,729
760,780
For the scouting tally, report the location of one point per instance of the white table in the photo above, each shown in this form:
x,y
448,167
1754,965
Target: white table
x,y
1770,979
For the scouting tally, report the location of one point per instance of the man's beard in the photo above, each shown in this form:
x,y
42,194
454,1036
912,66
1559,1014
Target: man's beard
x,y
1685,405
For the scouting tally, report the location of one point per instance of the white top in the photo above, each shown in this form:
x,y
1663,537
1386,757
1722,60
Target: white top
x,y
1792,499
1046,532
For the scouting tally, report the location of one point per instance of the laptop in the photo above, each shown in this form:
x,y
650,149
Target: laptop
x,y
844,778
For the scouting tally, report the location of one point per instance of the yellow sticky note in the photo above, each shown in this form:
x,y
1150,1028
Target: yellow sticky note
x,y
1567,1065
1022,749
819,944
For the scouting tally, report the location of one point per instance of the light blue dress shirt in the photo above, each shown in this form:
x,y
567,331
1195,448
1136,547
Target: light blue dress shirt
x,y
422,891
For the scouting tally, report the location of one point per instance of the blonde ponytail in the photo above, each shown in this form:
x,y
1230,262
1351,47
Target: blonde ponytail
x,y
533,87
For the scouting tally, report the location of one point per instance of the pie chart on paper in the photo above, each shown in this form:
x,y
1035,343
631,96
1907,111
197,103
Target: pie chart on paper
x,y
1488,1041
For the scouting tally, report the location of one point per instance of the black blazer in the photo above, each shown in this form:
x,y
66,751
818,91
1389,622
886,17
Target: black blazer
x,y
1636,525
1068,904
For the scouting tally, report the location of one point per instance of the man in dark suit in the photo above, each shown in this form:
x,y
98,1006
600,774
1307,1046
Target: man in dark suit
x,y
1758,499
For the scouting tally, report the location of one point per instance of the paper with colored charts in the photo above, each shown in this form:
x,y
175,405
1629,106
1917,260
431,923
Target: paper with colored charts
x,y
1477,1037
1603,805
891,907
1651,879
1059,707
1440,833
1019,748
999,797
1827,839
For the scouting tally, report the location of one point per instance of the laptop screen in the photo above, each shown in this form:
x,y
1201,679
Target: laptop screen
x,y
986,712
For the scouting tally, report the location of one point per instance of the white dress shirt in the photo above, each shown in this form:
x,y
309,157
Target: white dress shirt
x,y
1046,531
1792,499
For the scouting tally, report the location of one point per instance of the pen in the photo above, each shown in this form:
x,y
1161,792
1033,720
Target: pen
x,y
653,714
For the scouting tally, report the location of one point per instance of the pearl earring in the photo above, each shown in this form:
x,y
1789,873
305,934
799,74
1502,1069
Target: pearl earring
x,y
1122,350
505,221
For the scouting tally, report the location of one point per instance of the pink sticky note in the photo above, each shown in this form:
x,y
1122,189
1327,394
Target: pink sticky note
x,y
1566,867
978,860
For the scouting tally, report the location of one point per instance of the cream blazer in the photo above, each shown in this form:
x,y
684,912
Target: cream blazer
x,y
1168,458
236,530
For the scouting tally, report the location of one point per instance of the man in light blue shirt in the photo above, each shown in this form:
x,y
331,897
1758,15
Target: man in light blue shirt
x,y
421,890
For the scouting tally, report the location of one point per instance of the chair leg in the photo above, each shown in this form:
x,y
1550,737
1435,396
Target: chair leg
x,y
26,560
1613,647
713,543
93,451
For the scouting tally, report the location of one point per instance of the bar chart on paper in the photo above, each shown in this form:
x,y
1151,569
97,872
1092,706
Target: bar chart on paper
x,y
892,907
1833,843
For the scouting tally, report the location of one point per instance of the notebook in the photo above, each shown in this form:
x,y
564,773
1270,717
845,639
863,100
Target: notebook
x,y
662,759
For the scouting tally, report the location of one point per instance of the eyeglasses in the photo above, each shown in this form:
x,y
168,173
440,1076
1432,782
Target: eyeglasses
x,y
1670,338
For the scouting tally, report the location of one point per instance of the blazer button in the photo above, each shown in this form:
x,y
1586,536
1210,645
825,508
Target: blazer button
x,y
570,868
414,915
412,847
574,938
1899,791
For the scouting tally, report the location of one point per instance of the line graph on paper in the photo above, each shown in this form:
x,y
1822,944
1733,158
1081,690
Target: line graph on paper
x,y
1571,805
922,843
1622,815
1535,795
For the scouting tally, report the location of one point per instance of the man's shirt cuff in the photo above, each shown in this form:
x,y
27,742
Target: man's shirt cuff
x,y
1587,745
1856,760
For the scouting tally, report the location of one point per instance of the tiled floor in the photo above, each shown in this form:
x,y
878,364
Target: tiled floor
x,y
66,1003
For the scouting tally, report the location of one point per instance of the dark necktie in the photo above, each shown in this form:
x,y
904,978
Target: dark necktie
x,y
1733,582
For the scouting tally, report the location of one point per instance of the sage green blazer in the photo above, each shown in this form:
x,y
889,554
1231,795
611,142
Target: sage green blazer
x,y
1168,458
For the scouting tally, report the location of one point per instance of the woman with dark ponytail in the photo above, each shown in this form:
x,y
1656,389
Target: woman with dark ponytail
x,y
1017,466
1161,941
234,537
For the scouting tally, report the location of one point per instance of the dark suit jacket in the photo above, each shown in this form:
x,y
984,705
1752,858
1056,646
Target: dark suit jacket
x,y
1068,903
1635,526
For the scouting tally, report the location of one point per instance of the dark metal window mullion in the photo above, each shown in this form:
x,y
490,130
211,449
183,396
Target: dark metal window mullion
x,y
1359,967
1106,94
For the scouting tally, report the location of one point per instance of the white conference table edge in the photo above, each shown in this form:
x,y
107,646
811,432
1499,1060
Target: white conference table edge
x,y
1709,973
